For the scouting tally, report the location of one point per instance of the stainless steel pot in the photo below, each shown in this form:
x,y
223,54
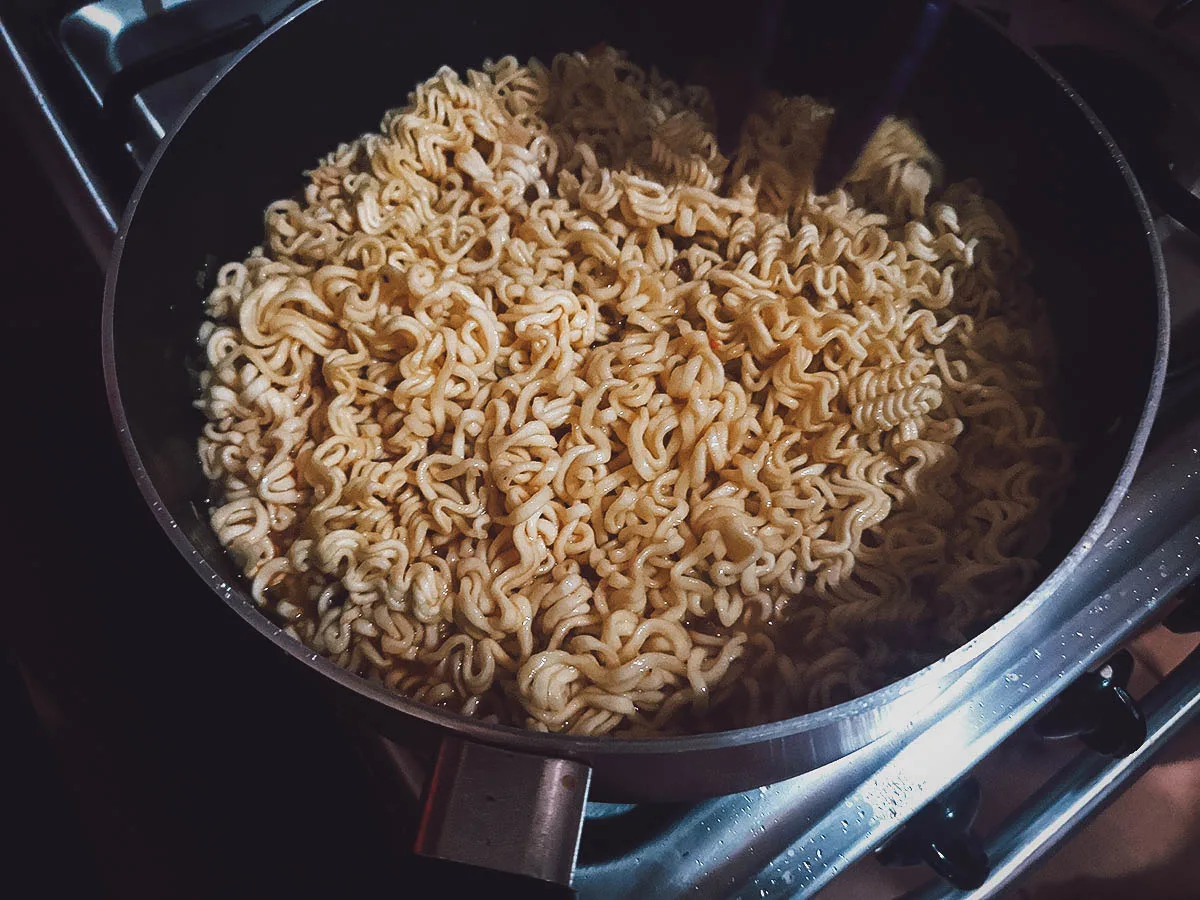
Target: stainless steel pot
x,y
326,72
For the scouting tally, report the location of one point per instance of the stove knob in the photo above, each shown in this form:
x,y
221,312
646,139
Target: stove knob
x,y
940,836
1098,710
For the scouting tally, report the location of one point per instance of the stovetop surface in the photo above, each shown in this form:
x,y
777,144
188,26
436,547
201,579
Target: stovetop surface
x,y
221,769
216,768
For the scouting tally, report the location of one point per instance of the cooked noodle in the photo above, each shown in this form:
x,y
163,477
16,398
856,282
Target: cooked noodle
x,y
538,408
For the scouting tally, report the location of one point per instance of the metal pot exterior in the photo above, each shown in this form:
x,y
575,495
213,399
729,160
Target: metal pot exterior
x,y
327,72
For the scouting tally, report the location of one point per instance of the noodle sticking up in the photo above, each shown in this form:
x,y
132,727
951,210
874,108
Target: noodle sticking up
x,y
539,409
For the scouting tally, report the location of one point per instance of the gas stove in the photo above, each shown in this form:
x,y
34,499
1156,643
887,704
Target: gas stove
x,y
98,87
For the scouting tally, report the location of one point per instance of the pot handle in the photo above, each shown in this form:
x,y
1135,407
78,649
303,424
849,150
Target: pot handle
x,y
494,815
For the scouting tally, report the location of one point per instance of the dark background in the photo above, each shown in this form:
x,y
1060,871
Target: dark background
x,y
157,747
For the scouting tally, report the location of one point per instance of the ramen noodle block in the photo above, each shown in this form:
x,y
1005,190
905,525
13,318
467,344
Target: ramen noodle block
x,y
536,407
